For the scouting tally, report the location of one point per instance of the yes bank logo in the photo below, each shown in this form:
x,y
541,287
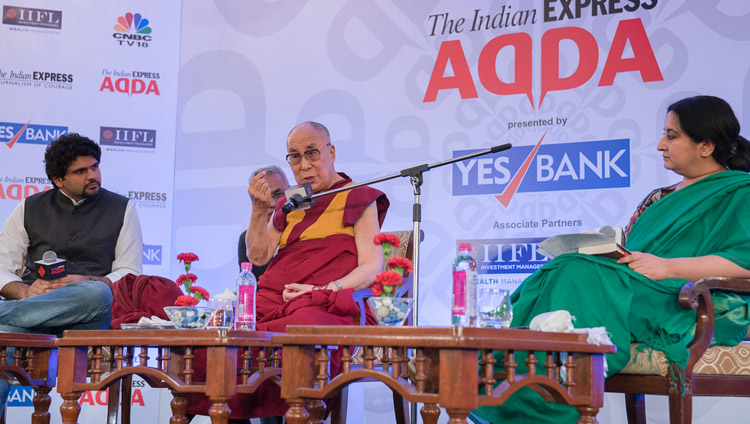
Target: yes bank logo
x,y
541,168
151,254
507,256
28,133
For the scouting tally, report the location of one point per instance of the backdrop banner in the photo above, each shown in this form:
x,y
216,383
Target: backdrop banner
x,y
188,99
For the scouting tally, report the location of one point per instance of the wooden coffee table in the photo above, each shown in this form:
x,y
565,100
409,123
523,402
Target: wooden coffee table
x,y
175,351
443,366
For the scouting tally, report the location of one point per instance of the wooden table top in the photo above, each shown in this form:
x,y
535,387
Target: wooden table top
x,y
166,337
440,337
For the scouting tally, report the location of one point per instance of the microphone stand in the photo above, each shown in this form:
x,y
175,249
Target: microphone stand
x,y
416,178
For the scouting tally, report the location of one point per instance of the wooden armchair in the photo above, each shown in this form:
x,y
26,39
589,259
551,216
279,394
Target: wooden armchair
x,y
715,371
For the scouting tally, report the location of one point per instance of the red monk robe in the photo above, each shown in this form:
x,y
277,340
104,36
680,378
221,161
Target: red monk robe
x,y
316,247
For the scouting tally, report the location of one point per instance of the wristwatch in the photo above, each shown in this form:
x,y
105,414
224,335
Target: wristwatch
x,y
337,283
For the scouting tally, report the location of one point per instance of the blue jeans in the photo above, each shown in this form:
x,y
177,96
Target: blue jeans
x,y
86,305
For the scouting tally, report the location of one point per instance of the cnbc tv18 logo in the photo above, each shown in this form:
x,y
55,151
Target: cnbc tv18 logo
x,y
542,168
127,137
28,133
132,30
35,18
507,256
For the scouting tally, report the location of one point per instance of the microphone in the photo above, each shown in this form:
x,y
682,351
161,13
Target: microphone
x,y
298,198
51,267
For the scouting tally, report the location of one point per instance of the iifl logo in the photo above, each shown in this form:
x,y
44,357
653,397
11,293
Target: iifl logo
x,y
541,168
132,30
629,32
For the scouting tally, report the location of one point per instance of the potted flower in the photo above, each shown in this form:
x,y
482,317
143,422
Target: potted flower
x,y
186,313
388,308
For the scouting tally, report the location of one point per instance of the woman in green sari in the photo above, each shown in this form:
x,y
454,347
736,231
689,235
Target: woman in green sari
x,y
699,227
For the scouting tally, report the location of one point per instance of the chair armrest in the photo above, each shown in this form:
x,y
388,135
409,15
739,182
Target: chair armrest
x,y
697,295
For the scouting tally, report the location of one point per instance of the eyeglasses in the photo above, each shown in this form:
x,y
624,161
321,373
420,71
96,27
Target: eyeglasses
x,y
312,155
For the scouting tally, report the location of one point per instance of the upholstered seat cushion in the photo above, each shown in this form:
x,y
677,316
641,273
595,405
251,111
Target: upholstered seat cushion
x,y
722,360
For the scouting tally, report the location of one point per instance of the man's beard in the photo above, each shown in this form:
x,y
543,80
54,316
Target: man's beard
x,y
91,190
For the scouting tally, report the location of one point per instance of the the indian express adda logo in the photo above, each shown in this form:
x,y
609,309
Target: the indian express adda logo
x,y
127,137
30,17
132,30
130,82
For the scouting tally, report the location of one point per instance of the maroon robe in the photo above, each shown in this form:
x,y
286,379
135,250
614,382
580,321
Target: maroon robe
x,y
317,246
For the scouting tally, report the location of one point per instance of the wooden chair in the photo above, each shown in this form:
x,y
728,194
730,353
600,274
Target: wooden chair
x,y
401,408
30,360
715,371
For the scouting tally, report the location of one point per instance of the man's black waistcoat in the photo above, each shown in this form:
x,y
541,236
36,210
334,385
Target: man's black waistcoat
x,y
84,235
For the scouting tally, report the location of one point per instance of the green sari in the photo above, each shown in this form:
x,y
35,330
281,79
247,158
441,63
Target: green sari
x,y
708,217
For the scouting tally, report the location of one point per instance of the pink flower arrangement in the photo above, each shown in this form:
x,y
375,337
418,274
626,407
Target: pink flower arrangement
x,y
194,293
392,277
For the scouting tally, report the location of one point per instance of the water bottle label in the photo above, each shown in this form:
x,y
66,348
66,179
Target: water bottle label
x,y
459,293
245,299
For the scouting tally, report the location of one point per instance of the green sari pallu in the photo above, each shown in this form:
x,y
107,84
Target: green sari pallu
x,y
708,217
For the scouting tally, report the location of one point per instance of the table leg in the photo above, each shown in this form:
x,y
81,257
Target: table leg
x,y
430,413
457,416
588,415
70,408
219,410
317,410
179,409
41,405
296,414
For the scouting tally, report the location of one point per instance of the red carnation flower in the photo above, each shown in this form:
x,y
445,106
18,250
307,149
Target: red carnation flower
x,y
389,278
387,238
181,279
400,265
377,289
187,257
185,301
200,292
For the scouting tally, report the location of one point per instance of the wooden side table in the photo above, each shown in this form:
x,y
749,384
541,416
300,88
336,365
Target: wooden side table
x,y
443,366
260,361
34,360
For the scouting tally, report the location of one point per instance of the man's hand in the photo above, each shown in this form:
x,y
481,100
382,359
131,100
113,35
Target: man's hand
x,y
293,290
260,192
651,266
64,281
43,286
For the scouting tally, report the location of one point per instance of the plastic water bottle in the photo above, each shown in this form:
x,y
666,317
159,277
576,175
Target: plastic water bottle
x,y
464,310
246,287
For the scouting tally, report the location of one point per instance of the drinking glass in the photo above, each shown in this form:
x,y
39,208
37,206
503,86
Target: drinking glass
x,y
493,305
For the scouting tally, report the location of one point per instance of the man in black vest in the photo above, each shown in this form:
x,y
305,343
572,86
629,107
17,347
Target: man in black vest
x,y
95,230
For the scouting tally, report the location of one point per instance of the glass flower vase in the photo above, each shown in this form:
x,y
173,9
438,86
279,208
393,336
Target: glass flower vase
x,y
391,311
187,317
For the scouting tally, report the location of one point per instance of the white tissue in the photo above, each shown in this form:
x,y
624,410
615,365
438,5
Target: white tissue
x,y
557,321
154,321
562,322
226,295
